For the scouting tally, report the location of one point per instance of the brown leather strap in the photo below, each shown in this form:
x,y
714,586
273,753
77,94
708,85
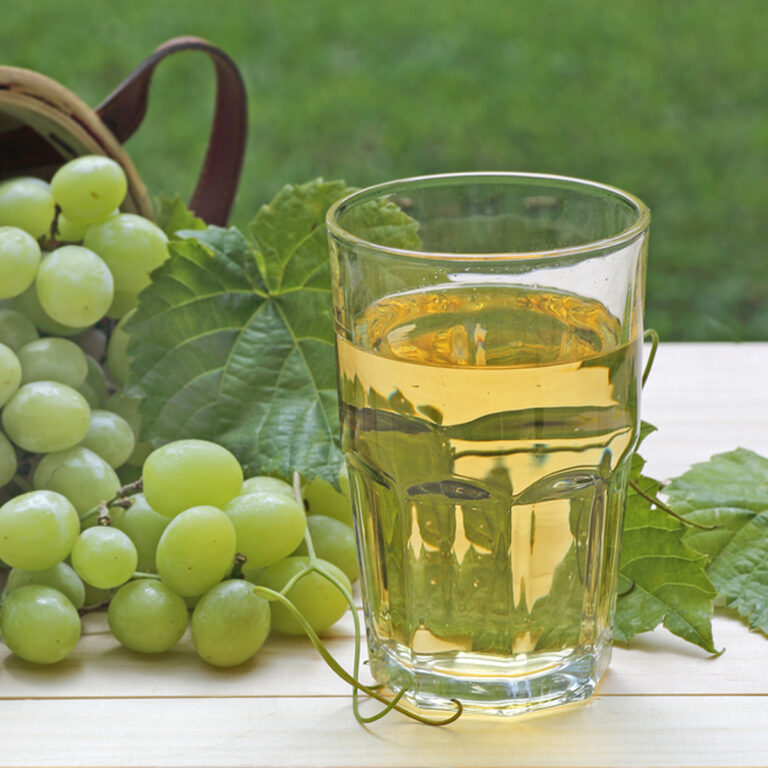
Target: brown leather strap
x,y
124,109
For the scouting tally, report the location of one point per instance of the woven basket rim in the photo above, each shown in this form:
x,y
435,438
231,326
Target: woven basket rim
x,y
71,127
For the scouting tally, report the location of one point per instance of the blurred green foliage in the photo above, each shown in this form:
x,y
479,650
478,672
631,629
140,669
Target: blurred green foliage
x,y
665,98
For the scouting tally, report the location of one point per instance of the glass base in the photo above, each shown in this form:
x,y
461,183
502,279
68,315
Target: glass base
x,y
487,685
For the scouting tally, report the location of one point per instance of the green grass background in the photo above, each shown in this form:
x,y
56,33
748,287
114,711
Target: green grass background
x,y
665,98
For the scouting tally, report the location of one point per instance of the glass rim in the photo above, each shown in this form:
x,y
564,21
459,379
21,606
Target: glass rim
x,y
626,236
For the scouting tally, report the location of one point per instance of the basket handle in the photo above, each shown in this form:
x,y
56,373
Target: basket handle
x,y
124,109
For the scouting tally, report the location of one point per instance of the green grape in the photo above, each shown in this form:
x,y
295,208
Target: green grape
x,y
10,374
78,473
96,376
27,205
95,596
131,246
196,550
110,436
53,359
323,499
28,304
117,351
269,526
16,329
86,390
145,616
46,416
267,484
39,624
60,576
19,260
127,406
93,341
333,541
42,183
69,230
75,286
187,473
144,527
104,557
123,303
89,188
8,460
38,530
318,600
230,623
94,388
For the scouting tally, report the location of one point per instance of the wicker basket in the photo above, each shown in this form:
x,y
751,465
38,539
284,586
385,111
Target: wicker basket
x,y
43,124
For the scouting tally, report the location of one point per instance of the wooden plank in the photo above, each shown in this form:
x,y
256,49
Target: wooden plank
x,y
705,399
655,663
622,732
658,662
663,703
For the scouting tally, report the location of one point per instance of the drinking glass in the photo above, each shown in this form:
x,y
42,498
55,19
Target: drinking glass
x,y
488,330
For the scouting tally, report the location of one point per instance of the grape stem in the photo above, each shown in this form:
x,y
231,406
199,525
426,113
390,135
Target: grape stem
x,y
289,584
237,568
52,242
118,500
95,607
92,512
137,486
300,502
654,337
145,575
665,508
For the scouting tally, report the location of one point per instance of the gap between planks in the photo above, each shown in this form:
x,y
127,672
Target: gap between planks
x,y
263,697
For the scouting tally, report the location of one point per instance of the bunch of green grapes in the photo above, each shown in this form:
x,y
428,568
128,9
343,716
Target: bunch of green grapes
x,y
67,254
71,269
198,537
71,265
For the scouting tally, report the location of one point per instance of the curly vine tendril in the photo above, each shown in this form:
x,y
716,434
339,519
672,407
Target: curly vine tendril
x,y
351,679
392,703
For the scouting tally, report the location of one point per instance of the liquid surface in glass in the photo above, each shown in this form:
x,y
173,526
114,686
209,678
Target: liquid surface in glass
x,y
488,431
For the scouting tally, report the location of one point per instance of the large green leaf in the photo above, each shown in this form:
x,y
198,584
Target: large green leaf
x,y
662,579
234,340
730,491
234,343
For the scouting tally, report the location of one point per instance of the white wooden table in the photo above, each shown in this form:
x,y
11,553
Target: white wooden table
x,y
663,703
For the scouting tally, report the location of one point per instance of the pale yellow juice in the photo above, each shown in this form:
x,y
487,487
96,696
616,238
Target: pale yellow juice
x,y
488,430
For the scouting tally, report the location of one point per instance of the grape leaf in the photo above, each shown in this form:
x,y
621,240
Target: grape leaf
x,y
234,342
290,233
667,577
662,579
173,216
735,479
730,491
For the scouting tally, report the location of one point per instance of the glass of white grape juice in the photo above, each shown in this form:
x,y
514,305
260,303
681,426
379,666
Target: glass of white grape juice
x,y
488,330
